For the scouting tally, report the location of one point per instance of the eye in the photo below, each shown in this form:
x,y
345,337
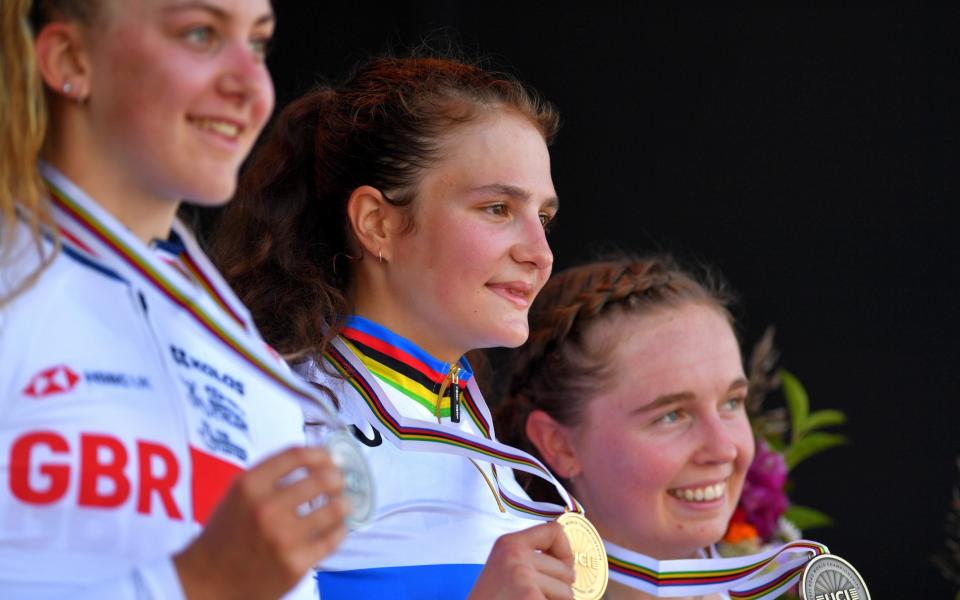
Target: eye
x,y
261,46
546,219
669,418
201,36
733,404
499,209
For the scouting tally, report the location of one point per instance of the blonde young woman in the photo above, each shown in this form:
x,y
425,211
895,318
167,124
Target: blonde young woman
x,y
147,434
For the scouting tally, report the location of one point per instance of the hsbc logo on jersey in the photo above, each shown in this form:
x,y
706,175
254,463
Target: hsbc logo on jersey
x,y
61,379
49,382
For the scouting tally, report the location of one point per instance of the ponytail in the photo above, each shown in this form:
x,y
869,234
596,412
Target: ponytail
x,y
22,125
293,281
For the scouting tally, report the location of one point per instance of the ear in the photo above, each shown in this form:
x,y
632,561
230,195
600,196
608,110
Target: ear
x,y
62,59
554,441
375,222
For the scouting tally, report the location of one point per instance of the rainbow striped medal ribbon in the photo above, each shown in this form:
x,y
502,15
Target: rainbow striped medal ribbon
x,y
420,435
766,574
92,235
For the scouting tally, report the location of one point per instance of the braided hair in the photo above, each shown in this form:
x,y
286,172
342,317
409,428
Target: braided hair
x,y
559,369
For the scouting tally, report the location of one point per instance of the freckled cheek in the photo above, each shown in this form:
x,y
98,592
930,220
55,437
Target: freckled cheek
x,y
637,470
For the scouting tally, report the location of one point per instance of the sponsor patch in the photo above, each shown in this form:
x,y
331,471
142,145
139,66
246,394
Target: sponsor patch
x,y
50,382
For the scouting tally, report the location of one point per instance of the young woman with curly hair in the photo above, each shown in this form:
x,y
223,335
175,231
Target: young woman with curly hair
x,y
387,226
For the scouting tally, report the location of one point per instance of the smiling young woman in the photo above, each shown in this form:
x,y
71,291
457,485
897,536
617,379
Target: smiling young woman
x,y
386,227
145,429
631,389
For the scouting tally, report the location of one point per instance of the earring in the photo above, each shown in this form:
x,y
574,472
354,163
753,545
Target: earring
x,y
67,87
379,255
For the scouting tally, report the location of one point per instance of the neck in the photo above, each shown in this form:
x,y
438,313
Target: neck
x,y
368,303
146,215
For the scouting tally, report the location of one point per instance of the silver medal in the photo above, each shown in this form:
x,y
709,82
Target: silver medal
x,y
358,482
829,577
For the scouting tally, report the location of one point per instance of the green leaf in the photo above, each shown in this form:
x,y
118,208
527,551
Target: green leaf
x,y
823,418
809,445
775,443
807,518
797,403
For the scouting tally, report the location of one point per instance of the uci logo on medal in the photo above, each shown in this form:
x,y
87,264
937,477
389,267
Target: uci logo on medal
x,y
829,577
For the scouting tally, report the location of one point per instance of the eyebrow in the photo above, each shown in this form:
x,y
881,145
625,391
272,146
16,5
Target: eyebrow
x,y
685,397
217,11
518,193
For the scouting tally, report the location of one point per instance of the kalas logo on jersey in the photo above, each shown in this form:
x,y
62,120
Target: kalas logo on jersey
x,y
55,380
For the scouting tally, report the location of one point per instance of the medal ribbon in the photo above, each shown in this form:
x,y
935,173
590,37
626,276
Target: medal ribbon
x,y
420,435
94,233
756,576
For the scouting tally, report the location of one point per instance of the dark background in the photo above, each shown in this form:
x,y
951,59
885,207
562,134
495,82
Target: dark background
x,y
807,152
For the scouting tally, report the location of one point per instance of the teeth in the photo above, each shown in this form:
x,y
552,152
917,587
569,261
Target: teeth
x,y
700,494
221,127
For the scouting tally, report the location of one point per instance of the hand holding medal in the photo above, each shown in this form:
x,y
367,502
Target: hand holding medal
x,y
589,556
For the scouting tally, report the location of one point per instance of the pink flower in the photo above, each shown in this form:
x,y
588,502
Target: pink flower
x,y
763,499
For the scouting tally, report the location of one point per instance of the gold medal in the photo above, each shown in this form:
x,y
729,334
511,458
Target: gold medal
x,y
589,556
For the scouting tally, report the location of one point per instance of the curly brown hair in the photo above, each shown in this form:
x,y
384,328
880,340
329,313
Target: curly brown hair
x,y
557,370
285,243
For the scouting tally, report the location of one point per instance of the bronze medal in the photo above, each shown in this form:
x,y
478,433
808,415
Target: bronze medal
x,y
589,556
829,577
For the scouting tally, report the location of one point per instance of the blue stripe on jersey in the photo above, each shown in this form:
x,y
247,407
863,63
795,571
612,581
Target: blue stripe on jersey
x,y
82,259
443,582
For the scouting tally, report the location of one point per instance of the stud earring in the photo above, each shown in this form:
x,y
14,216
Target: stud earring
x,y
67,87
379,255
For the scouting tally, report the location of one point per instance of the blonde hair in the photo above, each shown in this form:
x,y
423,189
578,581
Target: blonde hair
x,y
23,128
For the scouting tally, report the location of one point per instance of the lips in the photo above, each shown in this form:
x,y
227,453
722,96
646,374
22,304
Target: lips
x,y
700,493
225,128
519,293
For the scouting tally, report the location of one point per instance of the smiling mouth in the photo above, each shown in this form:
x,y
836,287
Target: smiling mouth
x,y
227,129
517,293
705,493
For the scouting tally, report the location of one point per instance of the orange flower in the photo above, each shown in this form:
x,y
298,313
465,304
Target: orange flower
x,y
740,532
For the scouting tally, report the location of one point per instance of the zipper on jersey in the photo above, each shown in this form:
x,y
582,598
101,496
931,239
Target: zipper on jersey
x,y
452,383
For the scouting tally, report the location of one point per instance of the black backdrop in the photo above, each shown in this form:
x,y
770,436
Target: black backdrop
x,y
806,152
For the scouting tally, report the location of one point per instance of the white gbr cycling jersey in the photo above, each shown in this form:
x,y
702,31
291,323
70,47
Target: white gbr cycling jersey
x,y
131,394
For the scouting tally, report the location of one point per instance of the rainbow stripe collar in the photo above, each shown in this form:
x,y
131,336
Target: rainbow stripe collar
x,y
401,364
421,434
92,232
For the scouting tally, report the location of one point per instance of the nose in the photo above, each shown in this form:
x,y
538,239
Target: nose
x,y
532,247
245,76
717,441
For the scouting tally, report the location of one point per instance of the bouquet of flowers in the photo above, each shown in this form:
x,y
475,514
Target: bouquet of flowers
x,y
786,436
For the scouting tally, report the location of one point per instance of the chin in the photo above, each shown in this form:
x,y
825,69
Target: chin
x,y
211,193
513,339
